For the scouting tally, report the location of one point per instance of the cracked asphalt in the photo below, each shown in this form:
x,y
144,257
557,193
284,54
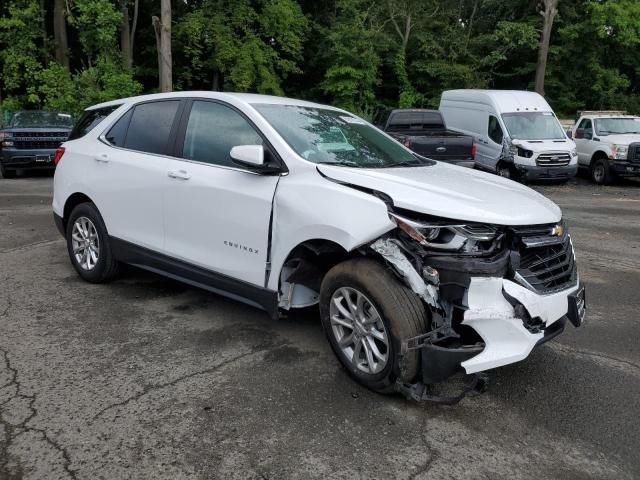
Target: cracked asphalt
x,y
149,378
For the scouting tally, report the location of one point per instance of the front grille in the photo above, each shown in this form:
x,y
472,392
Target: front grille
x,y
37,144
548,265
38,140
634,152
553,159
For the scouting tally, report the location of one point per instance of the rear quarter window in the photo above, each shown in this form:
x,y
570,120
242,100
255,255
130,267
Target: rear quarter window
x,y
89,120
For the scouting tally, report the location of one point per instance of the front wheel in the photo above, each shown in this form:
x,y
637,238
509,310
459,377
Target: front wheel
x,y
7,173
366,313
600,172
505,171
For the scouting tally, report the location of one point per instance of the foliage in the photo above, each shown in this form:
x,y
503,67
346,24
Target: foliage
x,y
362,55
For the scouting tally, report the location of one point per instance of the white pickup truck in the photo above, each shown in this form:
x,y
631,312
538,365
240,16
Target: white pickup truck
x,y
608,144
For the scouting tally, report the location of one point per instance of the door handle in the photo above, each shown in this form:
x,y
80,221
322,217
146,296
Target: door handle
x,y
441,149
179,174
102,158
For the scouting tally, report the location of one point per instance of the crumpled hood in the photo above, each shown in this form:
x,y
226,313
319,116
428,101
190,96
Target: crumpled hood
x,y
620,139
453,192
539,146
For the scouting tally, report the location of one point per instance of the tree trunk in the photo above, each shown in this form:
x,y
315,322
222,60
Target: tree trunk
x,y
166,76
549,14
60,34
125,38
45,34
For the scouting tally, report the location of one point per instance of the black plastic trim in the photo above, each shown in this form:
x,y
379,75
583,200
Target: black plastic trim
x,y
57,219
147,259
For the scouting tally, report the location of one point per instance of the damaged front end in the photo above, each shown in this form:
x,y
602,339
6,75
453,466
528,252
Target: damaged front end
x,y
494,293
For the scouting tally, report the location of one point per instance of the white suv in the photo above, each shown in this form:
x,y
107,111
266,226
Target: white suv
x,y
420,268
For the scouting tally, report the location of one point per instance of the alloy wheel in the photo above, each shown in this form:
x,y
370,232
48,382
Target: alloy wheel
x,y
85,243
359,330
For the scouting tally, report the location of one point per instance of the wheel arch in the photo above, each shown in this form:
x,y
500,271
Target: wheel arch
x,y
72,202
304,268
598,155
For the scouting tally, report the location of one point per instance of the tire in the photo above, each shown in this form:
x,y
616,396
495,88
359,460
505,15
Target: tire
x,y
505,171
6,173
600,172
105,267
400,310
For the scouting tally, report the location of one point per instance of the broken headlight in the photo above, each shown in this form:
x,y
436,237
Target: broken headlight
x,y
470,238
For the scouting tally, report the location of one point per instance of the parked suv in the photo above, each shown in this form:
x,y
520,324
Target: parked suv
x,y
30,139
608,145
420,268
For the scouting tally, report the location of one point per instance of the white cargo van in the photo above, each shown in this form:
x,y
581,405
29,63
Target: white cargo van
x,y
516,133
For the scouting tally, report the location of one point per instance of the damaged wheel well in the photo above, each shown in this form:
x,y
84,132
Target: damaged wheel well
x,y
303,271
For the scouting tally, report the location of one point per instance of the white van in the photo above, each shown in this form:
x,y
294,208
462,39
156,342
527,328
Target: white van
x,y
516,133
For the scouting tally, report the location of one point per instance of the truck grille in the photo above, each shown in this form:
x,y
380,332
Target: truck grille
x,y
547,264
634,152
553,159
38,140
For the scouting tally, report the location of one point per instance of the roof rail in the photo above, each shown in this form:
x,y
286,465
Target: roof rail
x,y
603,112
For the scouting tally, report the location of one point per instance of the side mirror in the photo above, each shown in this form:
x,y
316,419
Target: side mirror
x,y
579,133
248,155
569,134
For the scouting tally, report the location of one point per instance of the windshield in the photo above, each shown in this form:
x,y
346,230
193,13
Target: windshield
x,y
611,126
337,138
38,119
533,126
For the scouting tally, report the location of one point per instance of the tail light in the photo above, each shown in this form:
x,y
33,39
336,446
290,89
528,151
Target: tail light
x,y
474,149
407,142
58,155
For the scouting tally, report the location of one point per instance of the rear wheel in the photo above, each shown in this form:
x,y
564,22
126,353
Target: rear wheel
x,y
600,172
7,173
366,313
88,245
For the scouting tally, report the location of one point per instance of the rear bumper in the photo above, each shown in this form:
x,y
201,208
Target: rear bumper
x,y
534,172
27,159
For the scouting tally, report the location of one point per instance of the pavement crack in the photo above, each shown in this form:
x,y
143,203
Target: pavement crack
x,y
5,312
12,430
433,454
150,388
570,350
29,245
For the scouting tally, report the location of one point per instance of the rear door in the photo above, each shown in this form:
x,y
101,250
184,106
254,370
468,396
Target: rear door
x,y
128,173
217,213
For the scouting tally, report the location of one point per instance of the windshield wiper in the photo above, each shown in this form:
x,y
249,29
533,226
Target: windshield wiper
x,y
344,163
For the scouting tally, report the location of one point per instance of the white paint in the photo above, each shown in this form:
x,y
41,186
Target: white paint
x,y
492,316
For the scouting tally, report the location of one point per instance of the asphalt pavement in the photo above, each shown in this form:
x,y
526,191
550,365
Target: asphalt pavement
x,y
149,378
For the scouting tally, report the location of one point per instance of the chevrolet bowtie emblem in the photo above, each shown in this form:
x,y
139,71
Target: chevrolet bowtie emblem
x,y
557,231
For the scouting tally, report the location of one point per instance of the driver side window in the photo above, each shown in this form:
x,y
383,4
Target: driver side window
x,y
213,129
587,126
495,130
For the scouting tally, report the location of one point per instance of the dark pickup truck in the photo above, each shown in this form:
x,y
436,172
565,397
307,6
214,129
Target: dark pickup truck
x,y
30,139
425,132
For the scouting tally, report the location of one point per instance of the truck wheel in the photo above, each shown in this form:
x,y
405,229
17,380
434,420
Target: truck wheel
x,y
366,312
88,245
6,173
600,172
504,170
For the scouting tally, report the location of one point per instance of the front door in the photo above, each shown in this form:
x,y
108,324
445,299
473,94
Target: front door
x,y
489,145
218,213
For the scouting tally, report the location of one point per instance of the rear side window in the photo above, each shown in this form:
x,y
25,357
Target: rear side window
x,y
118,133
213,130
89,120
495,130
150,126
